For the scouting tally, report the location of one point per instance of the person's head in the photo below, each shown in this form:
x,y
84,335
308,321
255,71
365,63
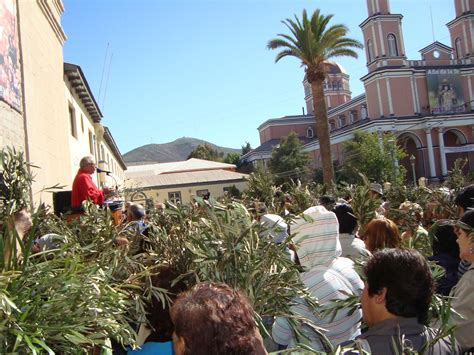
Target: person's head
x,y
444,241
135,212
213,318
375,190
159,312
465,199
413,214
345,217
399,284
381,233
87,164
327,201
465,233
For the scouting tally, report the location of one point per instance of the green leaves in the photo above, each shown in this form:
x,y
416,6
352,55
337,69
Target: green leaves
x,y
313,42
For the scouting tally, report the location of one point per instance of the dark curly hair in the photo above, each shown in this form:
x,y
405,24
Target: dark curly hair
x,y
408,279
213,318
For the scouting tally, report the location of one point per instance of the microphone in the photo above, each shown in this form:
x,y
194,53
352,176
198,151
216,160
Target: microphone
x,y
99,170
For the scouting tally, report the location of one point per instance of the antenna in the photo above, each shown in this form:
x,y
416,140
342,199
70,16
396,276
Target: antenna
x,y
432,26
107,80
103,70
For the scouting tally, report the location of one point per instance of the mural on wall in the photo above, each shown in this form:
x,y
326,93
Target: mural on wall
x,y
445,91
10,76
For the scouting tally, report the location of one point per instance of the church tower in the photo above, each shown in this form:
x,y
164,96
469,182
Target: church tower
x,y
461,29
383,36
385,51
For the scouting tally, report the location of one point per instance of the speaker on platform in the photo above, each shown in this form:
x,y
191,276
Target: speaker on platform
x,y
61,202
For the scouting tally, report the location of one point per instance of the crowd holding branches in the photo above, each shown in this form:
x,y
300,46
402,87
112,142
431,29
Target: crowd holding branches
x,y
85,292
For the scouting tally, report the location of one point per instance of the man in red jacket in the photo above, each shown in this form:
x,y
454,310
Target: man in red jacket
x,y
83,187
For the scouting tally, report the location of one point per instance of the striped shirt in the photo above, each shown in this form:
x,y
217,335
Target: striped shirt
x,y
328,277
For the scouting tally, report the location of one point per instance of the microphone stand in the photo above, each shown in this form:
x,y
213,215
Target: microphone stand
x,y
115,180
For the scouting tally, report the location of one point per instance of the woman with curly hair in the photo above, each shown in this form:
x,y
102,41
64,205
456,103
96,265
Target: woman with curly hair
x,y
213,318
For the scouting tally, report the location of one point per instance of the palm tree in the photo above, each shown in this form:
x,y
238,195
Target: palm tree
x,y
314,43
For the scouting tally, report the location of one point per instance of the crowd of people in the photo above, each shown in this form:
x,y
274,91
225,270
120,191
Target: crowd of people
x,y
395,288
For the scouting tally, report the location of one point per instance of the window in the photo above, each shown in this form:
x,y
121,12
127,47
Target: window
x,y
174,197
309,132
342,121
82,124
457,44
72,120
392,45
363,112
354,116
333,125
370,51
202,193
91,143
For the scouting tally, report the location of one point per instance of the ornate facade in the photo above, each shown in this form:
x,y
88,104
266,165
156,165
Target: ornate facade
x,y
426,103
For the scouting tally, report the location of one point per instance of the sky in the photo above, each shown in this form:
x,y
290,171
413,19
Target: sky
x,y
165,69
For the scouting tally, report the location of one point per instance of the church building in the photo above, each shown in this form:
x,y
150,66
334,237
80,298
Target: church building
x,y
427,103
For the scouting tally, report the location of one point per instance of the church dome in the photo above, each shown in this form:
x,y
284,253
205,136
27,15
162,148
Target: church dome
x,y
334,68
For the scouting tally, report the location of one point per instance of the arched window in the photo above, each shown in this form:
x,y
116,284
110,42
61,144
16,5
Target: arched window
x,y
370,50
457,44
309,132
392,45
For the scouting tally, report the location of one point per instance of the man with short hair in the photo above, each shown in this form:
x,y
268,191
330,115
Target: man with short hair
x,y
83,188
351,246
395,304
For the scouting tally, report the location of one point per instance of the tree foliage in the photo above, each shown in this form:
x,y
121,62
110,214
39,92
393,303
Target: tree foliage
x,y
232,158
206,152
364,154
288,159
314,42
246,148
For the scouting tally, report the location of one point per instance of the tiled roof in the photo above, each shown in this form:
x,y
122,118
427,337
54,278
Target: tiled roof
x,y
188,178
192,164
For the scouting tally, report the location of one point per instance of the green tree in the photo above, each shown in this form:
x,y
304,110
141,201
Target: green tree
x,y
313,42
232,158
246,148
364,154
288,159
206,152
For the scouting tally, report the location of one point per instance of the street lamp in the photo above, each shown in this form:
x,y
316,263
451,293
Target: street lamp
x,y
412,162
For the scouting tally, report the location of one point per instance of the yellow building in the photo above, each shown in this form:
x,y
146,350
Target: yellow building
x,y
46,107
180,182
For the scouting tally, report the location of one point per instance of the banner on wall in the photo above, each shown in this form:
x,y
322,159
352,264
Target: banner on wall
x,y
10,75
445,91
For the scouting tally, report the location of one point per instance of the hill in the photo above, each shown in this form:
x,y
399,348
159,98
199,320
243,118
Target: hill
x,y
177,150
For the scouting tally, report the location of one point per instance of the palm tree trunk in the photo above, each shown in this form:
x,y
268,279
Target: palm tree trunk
x,y
322,130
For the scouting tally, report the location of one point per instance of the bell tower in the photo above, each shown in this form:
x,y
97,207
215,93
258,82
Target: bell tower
x,y
383,36
461,29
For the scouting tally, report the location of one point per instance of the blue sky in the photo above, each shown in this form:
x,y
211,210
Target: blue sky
x,y
200,68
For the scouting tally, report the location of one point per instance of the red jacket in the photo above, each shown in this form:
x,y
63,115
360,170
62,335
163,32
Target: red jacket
x,y
83,188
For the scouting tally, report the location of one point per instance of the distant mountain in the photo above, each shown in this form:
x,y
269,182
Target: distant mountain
x,y
177,150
